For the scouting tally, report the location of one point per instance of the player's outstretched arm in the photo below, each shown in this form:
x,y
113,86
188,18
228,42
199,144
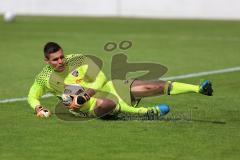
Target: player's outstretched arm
x,y
35,93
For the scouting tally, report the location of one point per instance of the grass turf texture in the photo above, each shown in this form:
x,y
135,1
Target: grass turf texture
x,y
198,127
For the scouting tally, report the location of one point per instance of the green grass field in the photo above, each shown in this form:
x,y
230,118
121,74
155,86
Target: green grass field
x,y
198,127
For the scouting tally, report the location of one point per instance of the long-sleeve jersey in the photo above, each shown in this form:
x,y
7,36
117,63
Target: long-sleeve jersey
x,y
79,69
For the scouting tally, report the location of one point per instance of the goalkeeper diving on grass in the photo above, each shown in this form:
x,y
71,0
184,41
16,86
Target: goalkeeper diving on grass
x,y
81,86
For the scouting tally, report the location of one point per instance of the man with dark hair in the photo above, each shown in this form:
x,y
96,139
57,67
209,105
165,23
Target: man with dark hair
x,y
49,48
83,87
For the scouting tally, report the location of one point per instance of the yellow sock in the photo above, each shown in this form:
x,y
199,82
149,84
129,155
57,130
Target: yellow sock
x,y
125,108
178,88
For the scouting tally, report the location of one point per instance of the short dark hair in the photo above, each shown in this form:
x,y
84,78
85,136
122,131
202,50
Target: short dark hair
x,y
50,47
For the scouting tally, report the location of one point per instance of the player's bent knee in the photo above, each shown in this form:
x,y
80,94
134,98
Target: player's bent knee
x,y
104,107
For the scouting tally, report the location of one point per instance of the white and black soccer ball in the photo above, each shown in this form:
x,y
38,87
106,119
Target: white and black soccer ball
x,y
66,99
9,17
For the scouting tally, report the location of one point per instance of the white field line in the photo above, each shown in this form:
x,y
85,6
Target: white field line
x,y
199,74
21,99
185,76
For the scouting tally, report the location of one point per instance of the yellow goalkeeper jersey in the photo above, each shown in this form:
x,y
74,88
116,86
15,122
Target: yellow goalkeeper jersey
x,y
79,69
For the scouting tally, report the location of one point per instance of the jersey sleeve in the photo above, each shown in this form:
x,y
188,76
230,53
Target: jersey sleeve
x,y
39,87
35,93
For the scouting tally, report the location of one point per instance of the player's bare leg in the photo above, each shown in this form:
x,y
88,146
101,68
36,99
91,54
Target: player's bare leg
x,y
148,88
141,89
104,107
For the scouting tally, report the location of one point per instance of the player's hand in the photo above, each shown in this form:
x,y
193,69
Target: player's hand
x,y
75,101
42,112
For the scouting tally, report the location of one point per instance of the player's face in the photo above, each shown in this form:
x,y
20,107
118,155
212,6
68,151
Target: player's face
x,y
56,61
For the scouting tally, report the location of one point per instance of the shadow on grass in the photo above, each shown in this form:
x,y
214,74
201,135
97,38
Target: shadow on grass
x,y
66,116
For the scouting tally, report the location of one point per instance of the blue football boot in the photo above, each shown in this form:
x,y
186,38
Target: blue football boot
x,y
158,111
206,88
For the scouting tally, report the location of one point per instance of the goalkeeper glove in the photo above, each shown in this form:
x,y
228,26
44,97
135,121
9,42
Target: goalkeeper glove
x,y
75,101
42,112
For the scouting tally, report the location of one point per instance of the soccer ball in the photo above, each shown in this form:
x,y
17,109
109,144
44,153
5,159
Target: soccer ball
x,y
66,99
9,17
